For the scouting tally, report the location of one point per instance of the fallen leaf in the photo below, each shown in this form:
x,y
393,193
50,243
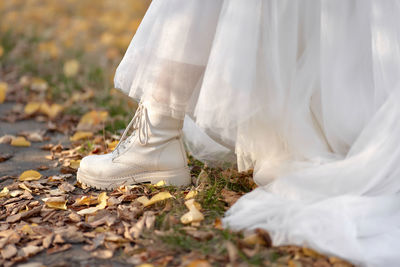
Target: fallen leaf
x,y
6,139
9,251
74,164
103,254
158,197
191,194
39,85
59,203
102,200
71,68
91,119
199,263
35,137
4,192
194,215
3,90
20,141
86,200
4,157
1,51
311,253
81,135
50,110
160,183
32,107
30,175
111,146
23,186
142,200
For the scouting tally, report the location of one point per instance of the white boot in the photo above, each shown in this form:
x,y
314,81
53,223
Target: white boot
x,y
153,152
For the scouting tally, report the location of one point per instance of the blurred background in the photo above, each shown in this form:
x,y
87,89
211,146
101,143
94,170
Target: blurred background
x,y
64,53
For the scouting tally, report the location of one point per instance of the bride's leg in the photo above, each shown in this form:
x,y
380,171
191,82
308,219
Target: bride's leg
x,y
162,67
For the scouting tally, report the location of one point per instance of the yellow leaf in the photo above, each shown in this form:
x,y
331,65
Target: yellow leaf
x,y
4,192
26,229
91,119
1,51
39,84
191,194
30,175
32,107
111,146
194,215
74,164
50,110
20,141
16,193
59,203
23,186
71,68
160,183
86,200
3,91
145,265
87,211
311,253
102,200
158,197
81,135
199,263
143,200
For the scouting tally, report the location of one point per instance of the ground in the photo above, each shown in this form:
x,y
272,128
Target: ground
x,y
57,105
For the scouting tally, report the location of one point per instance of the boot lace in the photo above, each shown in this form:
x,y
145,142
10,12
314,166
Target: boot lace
x,y
140,126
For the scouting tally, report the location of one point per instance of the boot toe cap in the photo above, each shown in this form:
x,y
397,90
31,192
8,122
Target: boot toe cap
x,y
94,164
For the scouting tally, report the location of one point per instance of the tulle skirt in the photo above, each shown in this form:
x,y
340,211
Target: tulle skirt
x,y
306,93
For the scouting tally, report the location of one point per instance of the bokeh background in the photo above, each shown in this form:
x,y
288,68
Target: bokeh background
x,y
67,51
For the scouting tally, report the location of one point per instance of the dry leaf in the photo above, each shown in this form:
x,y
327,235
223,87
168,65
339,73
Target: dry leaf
x,y
74,164
91,119
158,197
30,175
199,263
59,203
4,192
191,194
71,68
30,250
39,85
50,110
23,186
35,137
81,135
103,254
20,141
9,251
102,200
32,107
194,215
160,183
143,200
6,139
3,90
111,146
1,51
86,200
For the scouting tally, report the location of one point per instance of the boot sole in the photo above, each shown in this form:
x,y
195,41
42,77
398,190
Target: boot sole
x,y
177,177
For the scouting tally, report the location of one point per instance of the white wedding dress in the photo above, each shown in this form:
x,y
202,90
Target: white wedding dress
x,y
305,92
